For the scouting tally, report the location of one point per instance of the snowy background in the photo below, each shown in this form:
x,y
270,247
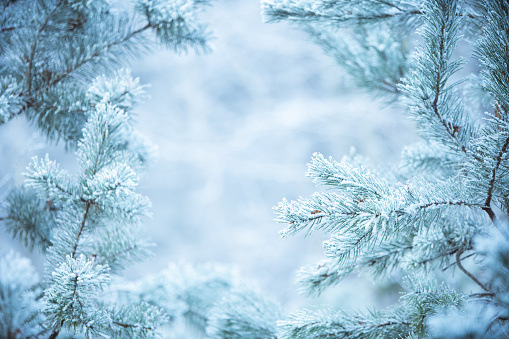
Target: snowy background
x,y
235,130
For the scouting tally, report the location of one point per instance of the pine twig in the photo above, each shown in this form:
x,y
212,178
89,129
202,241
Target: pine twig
x,y
454,263
34,47
87,207
460,265
68,71
55,332
487,203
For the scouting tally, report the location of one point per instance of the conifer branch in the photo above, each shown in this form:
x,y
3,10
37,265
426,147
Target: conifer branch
x,y
133,326
34,47
470,275
319,214
87,207
96,54
289,13
434,105
487,203
454,263
105,259
482,295
55,332
8,29
438,256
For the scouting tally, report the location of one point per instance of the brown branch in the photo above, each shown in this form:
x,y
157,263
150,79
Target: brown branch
x,y
434,104
392,323
438,256
105,259
8,29
491,185
34,47
55,332
320,215
454,263
460,265
132,326
482,295
73,68
452,203
87,208
310,14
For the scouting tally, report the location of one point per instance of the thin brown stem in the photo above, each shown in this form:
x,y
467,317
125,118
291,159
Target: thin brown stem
x,y
390,323
132,325
55,332
434,104
460,265
319,214
454,263
106,259
87,208
34,48
482,295
491,185
8,29
73,68
438,256
452,203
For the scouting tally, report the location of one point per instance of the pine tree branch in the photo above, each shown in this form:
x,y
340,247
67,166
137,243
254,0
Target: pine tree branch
x,y
337,18
87,207
454,263
54,334
452,203
8,29
34,47
74,290
439,256
460,265
434,104
56,331
493,321
133,326
70,70
498,159
105,259
482,295
303,14
320,214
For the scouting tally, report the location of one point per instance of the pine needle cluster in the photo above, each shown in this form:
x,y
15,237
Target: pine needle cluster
x,y
62,68
447,201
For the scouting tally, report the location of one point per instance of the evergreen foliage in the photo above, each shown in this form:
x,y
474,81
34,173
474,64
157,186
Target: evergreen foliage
x,y
244,314
60,68
20,298
448,199
208,300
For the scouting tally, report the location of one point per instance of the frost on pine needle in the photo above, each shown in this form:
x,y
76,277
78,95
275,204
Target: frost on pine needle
x,y
10,102
175,23
439,207
72,297
63,67
20,298
121,90
244,314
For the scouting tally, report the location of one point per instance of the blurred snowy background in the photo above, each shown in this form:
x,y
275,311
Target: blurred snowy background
x,y
235,130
